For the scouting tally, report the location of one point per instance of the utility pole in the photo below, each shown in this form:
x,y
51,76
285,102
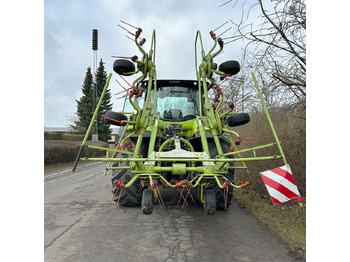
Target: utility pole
x,y
94,66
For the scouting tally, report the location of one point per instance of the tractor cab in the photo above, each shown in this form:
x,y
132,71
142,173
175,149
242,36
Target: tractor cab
x,y
176,100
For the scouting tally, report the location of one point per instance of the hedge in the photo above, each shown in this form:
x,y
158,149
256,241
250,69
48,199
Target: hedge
x,y
62,136
58,155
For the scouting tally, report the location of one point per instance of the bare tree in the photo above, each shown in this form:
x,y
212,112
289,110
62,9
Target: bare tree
x,y
276,48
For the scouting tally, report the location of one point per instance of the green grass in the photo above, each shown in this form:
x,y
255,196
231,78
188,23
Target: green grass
x,y
287,221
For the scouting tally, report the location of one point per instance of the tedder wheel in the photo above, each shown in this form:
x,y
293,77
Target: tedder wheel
x,y
230,67
111,116
238,119
219,193
130,196
123,67
147,201
210,202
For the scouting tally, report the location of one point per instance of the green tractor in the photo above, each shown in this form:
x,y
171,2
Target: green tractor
x,y
173,135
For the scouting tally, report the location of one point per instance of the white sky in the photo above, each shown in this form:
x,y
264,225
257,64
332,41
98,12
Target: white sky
x,y
68,28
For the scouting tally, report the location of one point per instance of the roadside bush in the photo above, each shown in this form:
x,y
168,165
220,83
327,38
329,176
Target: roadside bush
x,y
58,155
73,137
52,136
62,136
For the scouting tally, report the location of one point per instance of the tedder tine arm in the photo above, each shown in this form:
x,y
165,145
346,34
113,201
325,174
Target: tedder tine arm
x,y
92,122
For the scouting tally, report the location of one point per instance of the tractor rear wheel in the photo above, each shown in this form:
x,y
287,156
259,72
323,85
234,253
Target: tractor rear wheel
x,y
130,196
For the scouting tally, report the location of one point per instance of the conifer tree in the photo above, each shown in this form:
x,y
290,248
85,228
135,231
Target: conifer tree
x,y
84,105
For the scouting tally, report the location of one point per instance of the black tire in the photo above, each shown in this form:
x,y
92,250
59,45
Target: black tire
x,y
111,115
130,196
210,202
238,119
123,67
230,67
147,201
219,193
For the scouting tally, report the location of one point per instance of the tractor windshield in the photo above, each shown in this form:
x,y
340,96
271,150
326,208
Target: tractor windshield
x,y
129,108
176,103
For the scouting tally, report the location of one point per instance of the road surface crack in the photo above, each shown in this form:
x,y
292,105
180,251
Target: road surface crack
x,y
65,231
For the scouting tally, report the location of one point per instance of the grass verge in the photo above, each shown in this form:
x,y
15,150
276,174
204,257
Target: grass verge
x,y
287,221
58,167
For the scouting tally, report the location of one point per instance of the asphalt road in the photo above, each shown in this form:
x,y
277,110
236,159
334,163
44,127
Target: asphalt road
x,y
81,225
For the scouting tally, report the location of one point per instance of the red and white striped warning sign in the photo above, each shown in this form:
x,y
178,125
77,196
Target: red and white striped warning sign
x,y
280,184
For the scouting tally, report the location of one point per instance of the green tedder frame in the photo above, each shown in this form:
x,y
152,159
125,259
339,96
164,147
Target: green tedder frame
x,y
203,170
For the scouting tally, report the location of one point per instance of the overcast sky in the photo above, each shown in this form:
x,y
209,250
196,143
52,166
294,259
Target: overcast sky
x,y
68,53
